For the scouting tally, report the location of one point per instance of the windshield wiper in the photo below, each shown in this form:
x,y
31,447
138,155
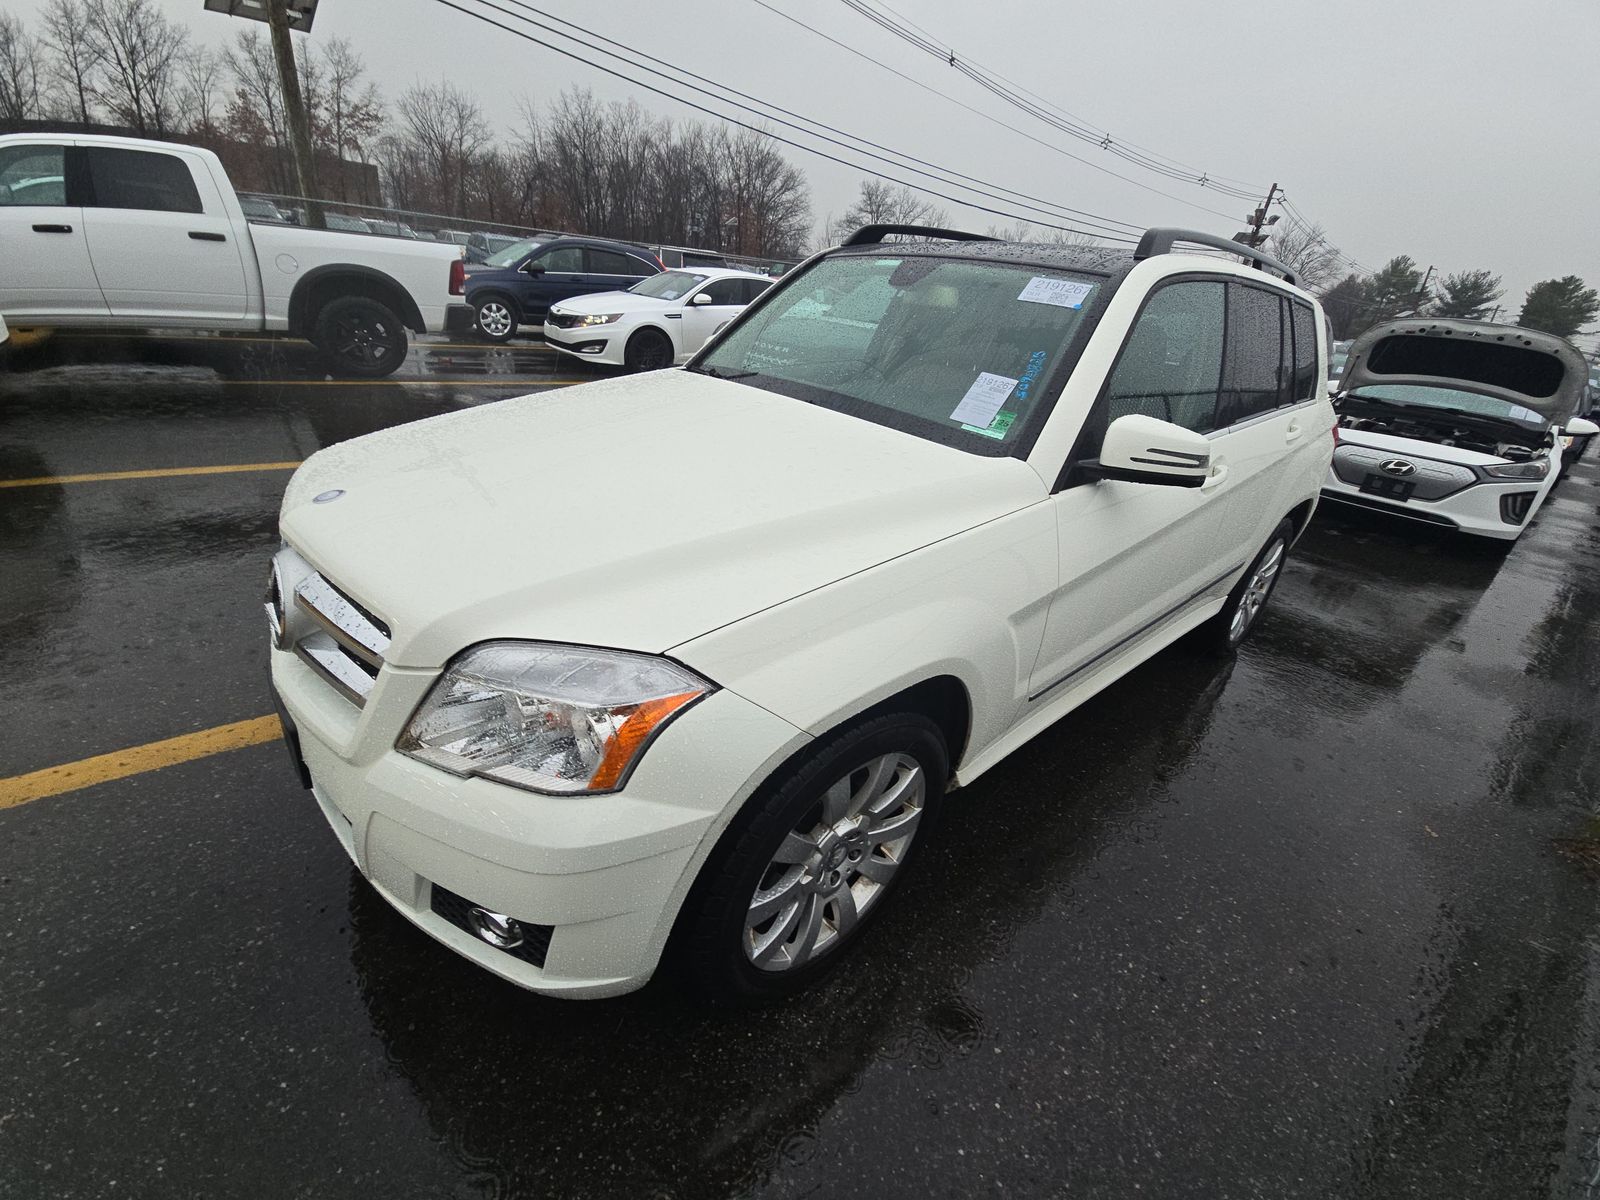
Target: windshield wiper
x,y
719,373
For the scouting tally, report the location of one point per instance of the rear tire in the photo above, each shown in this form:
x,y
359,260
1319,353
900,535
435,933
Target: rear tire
x,y
360,337
1241,613
648,350
811,860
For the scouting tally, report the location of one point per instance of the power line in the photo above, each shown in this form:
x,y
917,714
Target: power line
x,y
1093,166
1250,189
1015,95
762,132
982,187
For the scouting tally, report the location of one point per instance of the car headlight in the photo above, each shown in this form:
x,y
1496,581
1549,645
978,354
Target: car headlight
x,y
596,319
1534,469
556,719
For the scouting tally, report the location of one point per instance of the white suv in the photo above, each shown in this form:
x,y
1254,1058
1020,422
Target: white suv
x,y
692,658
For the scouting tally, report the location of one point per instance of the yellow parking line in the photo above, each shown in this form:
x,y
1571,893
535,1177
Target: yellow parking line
x,y
159,473
267,341
152,756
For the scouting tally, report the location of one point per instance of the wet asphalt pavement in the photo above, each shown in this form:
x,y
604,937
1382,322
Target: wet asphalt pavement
x,y
1302,924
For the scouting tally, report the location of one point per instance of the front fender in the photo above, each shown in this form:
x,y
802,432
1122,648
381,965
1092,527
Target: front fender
x,y
971,606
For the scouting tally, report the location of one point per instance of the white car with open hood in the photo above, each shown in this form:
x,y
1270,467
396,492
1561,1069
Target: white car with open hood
x,y
1458,424
684,663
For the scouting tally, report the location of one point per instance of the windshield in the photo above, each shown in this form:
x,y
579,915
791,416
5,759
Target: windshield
x,y
948,349
669,285
1471,403
513,254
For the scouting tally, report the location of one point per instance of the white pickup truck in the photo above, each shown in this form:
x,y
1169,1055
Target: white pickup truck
x,y
123,232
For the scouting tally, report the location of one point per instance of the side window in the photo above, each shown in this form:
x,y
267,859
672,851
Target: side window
x,y
609,262
726,291
141,179
753,289
641,267
33,175
1171,363
1305,352
1254,380
562,258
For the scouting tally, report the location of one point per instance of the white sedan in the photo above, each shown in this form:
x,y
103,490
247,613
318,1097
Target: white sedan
x,y
659,322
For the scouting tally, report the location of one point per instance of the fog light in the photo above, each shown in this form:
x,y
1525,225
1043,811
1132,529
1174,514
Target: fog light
x,y
497,929
592,348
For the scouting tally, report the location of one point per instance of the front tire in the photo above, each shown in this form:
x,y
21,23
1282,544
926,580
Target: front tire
x,y
1248,600
809,864
648,350
360,337
496,318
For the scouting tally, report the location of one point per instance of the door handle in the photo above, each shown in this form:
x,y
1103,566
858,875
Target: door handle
x,y
201,235
1214,477
52,228
1293,433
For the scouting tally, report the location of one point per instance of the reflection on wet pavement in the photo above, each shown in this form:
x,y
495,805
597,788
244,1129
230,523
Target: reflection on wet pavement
x,y
1289,925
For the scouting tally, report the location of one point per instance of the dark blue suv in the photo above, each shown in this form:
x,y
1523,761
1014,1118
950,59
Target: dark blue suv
x,y
518,285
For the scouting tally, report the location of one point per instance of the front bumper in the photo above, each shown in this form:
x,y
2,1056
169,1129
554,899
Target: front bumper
x,y
458,318
584,344
601,877
1476,510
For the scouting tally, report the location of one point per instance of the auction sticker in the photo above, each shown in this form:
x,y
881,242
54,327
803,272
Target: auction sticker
x,y
1067,293
983,399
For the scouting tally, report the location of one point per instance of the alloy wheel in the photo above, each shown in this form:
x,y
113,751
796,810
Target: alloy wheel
x,y
494,319
835,864
1254,597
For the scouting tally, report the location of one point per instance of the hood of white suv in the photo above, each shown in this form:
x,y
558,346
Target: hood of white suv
x,y
636,513
1417,448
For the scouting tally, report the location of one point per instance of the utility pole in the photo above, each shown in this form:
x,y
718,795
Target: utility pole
x,y
1259,217
1422,292
294,112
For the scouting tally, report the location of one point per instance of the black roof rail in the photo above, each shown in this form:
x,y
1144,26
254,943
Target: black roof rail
x,y
871,235
1160,241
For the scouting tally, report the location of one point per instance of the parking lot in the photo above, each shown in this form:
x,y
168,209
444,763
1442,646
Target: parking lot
x,y
1315,921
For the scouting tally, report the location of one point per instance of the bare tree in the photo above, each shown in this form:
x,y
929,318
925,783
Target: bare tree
x,y
1306,249
445,129
142,55
350,115
201,94
884,203
73,57
20,84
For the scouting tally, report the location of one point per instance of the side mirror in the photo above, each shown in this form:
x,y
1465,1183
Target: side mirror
x,y
1581,427
529,268
701,298
1139,449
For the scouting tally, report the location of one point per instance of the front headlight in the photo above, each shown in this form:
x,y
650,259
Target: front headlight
x,y
556,719
596,319
1535,469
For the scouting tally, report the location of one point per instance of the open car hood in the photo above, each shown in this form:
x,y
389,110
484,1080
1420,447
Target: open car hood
x,y
1520,366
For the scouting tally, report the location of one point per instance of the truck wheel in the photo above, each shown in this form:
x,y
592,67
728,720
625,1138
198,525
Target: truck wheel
x,y
360,337
497,319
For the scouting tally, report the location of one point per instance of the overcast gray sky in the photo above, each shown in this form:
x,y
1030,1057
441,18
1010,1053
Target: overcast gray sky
x,y
1454,131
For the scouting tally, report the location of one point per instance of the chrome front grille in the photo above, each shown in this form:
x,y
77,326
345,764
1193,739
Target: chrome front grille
x,y
330,632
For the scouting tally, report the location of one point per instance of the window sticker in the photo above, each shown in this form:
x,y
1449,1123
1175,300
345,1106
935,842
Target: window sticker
x,y
1066,293
983,399
997,428
886,262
